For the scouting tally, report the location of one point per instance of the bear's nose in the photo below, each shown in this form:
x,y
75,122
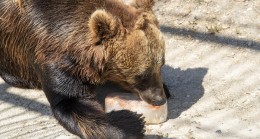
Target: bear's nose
x,y
158,101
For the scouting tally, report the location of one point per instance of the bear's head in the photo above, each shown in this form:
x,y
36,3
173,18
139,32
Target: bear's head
x,y
131,56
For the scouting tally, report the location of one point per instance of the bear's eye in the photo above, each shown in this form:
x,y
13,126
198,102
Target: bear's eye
x,y
142,78
142,82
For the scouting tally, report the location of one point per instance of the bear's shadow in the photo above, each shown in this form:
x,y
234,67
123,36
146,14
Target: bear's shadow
x,y
185,87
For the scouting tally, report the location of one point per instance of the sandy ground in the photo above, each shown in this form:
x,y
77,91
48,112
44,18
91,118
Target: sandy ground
x,y
212,68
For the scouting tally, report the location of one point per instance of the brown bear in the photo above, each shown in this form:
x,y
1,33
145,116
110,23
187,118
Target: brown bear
x,y
66,48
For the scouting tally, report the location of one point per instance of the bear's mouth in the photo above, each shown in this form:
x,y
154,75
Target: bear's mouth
x,y
156,101
152,95
155,97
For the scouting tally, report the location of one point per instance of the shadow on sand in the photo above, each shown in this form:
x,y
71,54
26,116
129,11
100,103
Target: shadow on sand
x,y
17,100
230,41
185,87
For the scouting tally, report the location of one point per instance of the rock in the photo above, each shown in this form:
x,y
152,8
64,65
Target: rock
x,y
218,131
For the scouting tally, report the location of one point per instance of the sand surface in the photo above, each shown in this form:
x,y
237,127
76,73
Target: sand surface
x,y
212,68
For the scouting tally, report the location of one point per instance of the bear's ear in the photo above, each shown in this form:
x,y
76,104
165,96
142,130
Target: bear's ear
x,y
144,19
103,25
147,5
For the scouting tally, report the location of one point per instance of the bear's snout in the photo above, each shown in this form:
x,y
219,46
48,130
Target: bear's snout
x,y
154,96
158,101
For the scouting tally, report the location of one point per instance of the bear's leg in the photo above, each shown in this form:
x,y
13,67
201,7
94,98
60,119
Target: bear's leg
x,y
74,105
85,117
16,82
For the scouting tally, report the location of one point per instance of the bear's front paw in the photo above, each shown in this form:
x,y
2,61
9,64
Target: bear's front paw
x,y
130,123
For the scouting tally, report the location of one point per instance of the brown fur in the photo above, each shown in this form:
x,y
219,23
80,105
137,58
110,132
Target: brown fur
x,y
77,42
87,41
